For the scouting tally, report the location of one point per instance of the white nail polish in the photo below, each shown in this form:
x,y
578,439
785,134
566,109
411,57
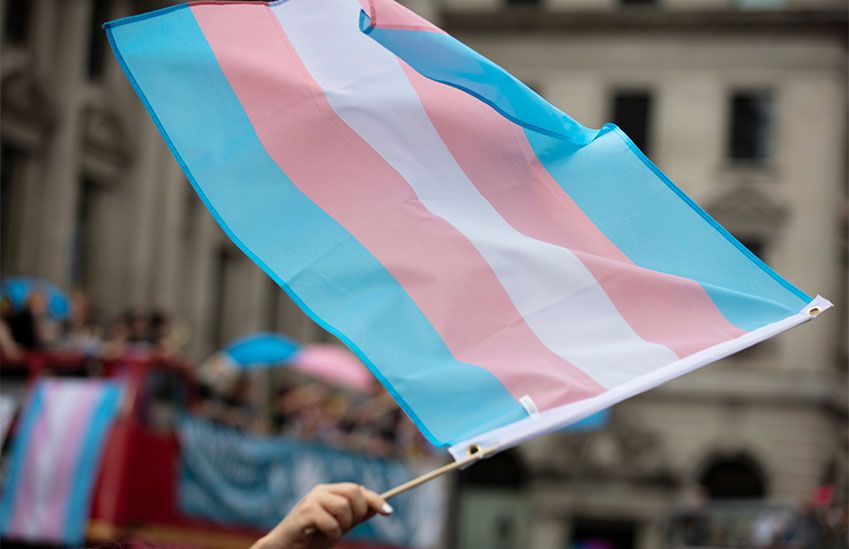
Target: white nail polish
x,y
387,509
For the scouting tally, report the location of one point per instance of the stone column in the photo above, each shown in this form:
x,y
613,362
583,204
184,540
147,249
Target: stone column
x,y
199,280
173,187
143,215
257,296
40,57
62,158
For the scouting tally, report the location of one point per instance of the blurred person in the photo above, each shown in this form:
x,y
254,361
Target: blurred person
x,y
332,510
282,414
9,348
116,342
696,522
807,530
380,419
240,411
332,427
167,337
304,405
81,333
138,330
28,326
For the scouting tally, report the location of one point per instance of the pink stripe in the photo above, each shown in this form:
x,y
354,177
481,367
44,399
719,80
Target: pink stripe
x,y
71,449
62,467
495,154
452,284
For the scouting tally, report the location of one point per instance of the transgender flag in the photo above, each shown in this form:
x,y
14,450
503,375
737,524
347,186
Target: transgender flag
x,y
55,460
503,270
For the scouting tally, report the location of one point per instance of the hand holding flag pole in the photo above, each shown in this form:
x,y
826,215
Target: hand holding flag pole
x,y
475,454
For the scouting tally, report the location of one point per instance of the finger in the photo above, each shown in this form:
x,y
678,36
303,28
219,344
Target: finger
x,y
339,507
377,503
346,489
325,523
356,496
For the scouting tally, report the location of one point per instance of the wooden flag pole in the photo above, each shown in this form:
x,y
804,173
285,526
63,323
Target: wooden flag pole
x,y
475,454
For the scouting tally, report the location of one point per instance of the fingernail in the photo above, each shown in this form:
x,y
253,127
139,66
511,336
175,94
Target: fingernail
x,y
387,509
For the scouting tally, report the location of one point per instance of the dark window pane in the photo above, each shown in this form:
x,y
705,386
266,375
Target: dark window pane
x,y
9,166
82,243
523,2
638,2
754,245
632,112
734,478
97,39
751,126
16,26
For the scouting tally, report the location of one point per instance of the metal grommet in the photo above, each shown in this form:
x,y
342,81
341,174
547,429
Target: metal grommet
x,y
814,311
473,449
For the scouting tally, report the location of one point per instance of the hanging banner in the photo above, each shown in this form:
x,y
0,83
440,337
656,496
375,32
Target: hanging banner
x,y
237,479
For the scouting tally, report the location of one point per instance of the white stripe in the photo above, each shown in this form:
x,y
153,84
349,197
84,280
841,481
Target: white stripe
x,y
558,297
60,403
555,419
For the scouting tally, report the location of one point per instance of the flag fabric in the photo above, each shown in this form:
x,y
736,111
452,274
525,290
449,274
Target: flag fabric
x,y
503,270
55,459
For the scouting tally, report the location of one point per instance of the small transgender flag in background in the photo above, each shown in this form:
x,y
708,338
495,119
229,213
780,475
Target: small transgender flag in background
x,y
55,460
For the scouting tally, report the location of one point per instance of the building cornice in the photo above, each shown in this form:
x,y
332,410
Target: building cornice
x,y
534,19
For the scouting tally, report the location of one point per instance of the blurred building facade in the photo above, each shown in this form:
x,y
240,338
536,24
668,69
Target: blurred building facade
x,y
92,197
742,102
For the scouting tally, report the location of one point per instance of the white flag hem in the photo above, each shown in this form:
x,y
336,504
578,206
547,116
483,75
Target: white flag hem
x,y
562,416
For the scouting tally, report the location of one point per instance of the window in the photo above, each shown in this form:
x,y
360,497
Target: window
x,y
734,477
754,245
523,2
10,163
17,25
632,113
750,138
97,39
82,246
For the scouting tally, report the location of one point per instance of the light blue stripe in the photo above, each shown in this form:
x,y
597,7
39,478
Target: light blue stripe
x,y
19,448
331,276
658,227
93,445
625,195
445,59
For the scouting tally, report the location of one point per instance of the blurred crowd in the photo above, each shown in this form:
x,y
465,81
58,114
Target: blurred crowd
x,y
32,327
258,403
313,411
813,524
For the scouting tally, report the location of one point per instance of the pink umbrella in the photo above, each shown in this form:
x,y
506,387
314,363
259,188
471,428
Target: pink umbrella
x,y
333,363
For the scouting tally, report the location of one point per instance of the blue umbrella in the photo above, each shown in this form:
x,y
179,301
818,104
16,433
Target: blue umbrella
x,y
17,290
261,349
